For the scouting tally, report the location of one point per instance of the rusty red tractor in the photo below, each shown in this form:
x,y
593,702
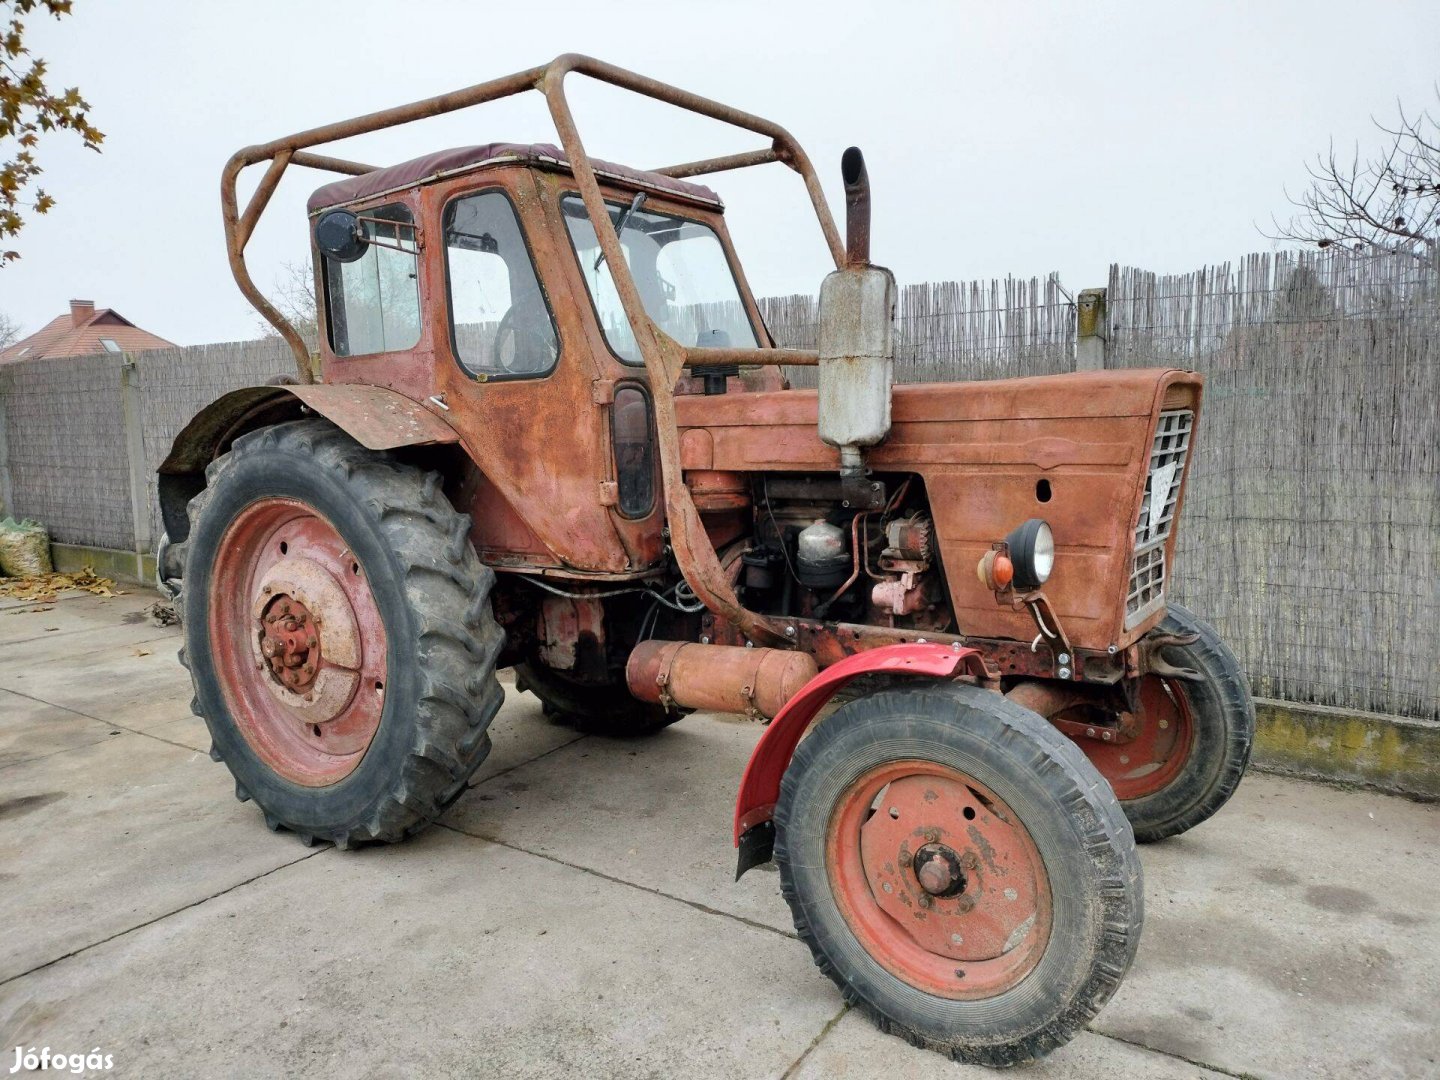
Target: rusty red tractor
x,y
548,429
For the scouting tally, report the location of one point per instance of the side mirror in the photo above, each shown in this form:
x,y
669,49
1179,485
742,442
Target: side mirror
x,y
340,236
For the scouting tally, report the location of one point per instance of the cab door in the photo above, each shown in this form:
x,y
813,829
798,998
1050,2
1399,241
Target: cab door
x,y
521,383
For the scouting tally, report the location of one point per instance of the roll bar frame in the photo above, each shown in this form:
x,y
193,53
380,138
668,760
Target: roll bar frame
x,y
548,79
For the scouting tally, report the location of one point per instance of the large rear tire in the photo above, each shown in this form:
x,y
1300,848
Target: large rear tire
x,y
339,634
959,870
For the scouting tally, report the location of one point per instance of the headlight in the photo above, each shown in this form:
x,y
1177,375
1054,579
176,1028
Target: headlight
x,y
1032,550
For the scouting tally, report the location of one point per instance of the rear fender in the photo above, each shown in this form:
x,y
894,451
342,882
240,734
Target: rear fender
x,y
373,416
760,786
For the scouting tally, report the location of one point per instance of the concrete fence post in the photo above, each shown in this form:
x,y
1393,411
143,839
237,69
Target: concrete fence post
x,y
1090,328
135,460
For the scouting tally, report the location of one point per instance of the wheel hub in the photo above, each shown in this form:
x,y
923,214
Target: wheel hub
x,y
307,640
289,641
938,870
954,874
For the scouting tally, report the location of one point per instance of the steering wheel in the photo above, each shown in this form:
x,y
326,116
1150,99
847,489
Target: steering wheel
x,y
529,350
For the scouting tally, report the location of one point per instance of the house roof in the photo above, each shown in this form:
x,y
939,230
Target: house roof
x,y
464,158
84,331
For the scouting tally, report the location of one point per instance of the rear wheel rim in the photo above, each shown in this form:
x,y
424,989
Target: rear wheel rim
x,y
939,880
1163,744
298,642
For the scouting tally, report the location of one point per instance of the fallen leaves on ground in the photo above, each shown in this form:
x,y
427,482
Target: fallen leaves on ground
x,y
46,588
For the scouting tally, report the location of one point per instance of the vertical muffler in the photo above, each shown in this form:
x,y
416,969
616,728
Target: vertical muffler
x,y
717,678
856,339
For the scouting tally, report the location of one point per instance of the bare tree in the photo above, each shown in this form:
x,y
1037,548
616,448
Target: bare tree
x,y
1390,202
294,297
9,331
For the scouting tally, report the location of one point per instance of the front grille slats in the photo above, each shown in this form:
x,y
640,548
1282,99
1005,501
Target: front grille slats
x,y
1168,454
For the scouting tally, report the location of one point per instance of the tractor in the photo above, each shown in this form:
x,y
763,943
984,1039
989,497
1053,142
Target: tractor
x,y
547,429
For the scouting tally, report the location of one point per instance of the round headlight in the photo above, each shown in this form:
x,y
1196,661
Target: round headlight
x,y
1032,550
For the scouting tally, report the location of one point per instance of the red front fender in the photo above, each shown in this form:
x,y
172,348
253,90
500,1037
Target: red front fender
x,y
760,786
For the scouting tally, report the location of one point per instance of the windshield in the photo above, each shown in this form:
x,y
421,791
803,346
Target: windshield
x,y
680,269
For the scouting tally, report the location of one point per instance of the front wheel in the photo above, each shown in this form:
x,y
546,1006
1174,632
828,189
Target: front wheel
x,y
1194,737
959,870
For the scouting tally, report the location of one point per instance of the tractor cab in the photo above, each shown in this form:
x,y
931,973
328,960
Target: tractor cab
x,y
473,280
483,204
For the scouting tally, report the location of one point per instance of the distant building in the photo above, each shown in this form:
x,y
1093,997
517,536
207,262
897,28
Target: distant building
x,y
84,332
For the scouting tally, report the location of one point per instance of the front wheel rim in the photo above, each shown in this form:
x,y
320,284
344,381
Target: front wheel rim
x,y
1161,749
939,880
298,642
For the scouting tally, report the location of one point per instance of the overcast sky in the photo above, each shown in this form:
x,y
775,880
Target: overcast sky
x,y
1001,138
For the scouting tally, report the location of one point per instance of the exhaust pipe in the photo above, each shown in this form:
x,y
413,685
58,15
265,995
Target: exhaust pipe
x,y
857,207
717,678
856,344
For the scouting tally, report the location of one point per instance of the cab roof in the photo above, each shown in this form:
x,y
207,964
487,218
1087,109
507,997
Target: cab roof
x,y
461,159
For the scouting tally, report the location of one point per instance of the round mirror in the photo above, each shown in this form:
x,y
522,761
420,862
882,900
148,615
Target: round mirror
x,y
339,236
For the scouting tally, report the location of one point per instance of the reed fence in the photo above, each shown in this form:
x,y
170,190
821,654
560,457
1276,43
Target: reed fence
x,y
1311,532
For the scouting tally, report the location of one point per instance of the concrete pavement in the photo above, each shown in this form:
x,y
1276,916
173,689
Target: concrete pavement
x,y
574,913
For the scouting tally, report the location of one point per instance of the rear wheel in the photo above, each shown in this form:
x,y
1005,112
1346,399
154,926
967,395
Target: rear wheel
x,y
959,870
339,634
594,708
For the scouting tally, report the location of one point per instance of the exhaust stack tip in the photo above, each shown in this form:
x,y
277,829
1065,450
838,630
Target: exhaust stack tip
x,y
857,207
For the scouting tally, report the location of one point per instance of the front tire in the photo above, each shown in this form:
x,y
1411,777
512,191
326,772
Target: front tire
x,y
959,870
1194,741
339,634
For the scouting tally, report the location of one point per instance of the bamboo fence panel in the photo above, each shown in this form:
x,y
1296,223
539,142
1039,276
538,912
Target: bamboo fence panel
x,y
1311,531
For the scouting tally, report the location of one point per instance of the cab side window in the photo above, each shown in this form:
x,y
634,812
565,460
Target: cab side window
x,y
500,319
373,303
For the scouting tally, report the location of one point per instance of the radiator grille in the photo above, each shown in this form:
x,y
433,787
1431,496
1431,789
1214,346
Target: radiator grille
x,y
1157,514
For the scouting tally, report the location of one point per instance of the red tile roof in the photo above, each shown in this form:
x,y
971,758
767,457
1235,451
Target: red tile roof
x,y
83,331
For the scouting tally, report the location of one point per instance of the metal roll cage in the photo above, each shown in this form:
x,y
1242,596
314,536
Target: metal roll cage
x,y
549,79
664,357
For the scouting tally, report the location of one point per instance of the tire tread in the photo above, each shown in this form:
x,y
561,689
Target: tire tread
x,y
456,643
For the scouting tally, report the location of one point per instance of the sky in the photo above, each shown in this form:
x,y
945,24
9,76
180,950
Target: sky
x,y
1001,138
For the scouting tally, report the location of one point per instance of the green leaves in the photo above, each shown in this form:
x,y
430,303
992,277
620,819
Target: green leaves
x,y
29,108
